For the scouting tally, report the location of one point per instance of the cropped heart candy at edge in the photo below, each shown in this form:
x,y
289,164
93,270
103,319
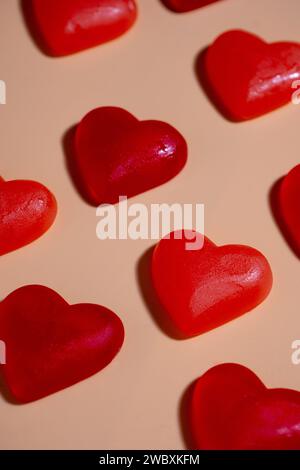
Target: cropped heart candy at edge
x,y
182,6
27,211
288,200
231,409
51,345
117,155
245,77
204,288
64,27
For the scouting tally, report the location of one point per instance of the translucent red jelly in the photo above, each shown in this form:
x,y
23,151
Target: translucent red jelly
x,y
231,409
69,26
182,6
289,206
203,289
51,345
27,210
246,77
118,155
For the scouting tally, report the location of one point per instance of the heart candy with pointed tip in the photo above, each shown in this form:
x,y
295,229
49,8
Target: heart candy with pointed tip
x,y
69,26
289,206
231,409
201,289
247,77
51,345
181,6
118,155
27,211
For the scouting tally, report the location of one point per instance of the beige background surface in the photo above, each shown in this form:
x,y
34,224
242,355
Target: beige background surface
x,y
134,403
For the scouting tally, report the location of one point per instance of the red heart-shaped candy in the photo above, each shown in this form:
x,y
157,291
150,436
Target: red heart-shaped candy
x,y
289,207
118,155
51,345
247,77
27,210
205,288
181,6
231,409
69,26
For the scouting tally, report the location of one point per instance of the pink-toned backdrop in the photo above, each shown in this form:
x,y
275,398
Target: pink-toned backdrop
x,y
135,402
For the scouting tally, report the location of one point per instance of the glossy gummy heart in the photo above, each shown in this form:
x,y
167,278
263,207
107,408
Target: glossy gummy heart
x,y
231,409
51,345
68,26
289,207
246,77
118,155
205,288
27,211
181,6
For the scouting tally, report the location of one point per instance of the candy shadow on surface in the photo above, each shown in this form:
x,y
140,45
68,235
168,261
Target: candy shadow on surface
x,y
32,26
160,317
184,417
200,72
167,5
6,394
277,215
69,152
